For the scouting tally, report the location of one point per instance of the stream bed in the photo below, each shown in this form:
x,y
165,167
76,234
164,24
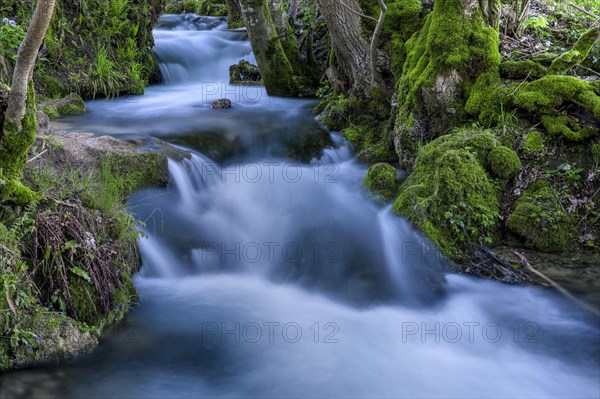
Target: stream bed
x,y
268,272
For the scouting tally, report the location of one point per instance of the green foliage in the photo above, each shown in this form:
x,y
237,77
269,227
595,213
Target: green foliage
x,y
504,162
381,181
120,30
540,220
10,38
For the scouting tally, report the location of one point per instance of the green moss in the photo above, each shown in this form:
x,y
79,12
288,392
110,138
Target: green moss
x,y
52,112
540,220
596,152
575,56
546,95
453,52
140,170
14,146
449,195
72,104
487,98
522,70
504,162
533,144
381,181
565,126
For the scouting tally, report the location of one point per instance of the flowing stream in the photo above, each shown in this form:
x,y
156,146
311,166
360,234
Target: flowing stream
x,y
268,272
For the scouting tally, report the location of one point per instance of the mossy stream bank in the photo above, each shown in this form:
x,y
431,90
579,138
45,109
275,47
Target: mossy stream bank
x,y
68,259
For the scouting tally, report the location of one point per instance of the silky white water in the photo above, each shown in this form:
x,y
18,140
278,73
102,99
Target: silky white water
x,y
268,272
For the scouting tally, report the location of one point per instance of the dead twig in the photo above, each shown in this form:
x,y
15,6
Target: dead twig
x,y
356,12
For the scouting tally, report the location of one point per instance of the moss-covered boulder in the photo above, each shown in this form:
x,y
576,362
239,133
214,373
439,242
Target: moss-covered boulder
x,y
54,337
540,220
72,104
449,196
504,163
244,73
381,181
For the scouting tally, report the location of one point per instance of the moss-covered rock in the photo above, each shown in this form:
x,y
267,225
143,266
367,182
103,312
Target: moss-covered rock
x,y
540,220
72,104
504,162
533,145
56,337
381,181
244,73
449,196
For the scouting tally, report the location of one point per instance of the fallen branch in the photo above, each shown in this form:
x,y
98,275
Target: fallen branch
x,y
583,10
37,156
525,264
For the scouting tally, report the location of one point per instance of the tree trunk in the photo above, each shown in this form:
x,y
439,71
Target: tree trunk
x,y
20,124
234,14
454,60
351,70
275,68
286,36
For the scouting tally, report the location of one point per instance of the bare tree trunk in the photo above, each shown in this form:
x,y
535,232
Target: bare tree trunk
x,y
26,57
20,124
376,76
352,65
